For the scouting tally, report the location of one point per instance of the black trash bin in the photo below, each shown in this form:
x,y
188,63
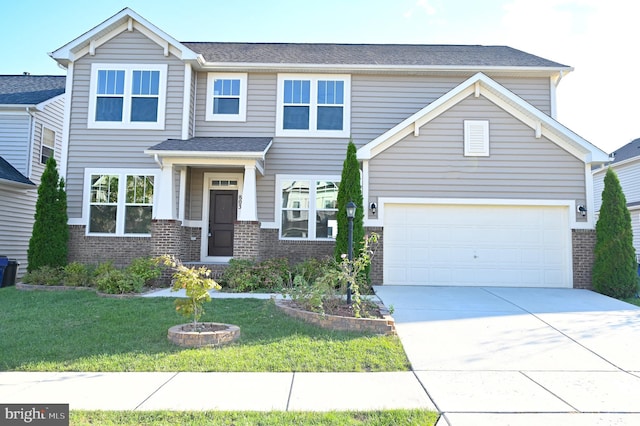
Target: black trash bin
x,y
10,272
4,261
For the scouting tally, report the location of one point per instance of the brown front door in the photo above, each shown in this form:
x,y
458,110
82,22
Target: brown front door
x,y
223,209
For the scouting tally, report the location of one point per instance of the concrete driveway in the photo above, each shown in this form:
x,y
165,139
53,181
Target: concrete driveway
x,y
503,356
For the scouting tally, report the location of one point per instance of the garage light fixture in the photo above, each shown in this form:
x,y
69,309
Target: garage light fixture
x,y
582,210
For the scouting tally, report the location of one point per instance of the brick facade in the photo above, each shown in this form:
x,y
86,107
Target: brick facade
x,y
246,240
583,242
93,250
375,272
296,251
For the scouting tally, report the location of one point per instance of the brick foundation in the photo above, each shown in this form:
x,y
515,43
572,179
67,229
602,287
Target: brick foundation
x,y
583,242
271,246
93,250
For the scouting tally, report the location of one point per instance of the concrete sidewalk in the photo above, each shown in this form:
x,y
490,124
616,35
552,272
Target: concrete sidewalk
x,y
218,391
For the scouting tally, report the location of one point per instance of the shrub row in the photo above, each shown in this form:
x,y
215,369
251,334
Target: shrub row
x,y
105,277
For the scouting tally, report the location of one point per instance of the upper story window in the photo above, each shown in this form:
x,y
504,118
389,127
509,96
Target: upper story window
x,y
226,97
313,105
127,96
48,144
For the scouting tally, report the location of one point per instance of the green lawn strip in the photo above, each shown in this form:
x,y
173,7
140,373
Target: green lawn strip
x,y
632,300
238,418
80,331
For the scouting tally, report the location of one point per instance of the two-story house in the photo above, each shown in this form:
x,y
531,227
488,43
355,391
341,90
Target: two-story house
x,y
214,150
31,121
626,164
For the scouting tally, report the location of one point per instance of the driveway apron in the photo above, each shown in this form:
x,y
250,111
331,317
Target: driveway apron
x,y
494,355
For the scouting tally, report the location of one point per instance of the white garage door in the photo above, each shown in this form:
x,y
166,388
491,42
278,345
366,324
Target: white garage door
x,y
515,246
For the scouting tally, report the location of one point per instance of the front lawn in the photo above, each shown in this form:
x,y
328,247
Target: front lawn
x,y
80,331
275,418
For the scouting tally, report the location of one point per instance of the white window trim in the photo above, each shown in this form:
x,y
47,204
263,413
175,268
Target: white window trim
x,y
122,189
312,201
476,138
126,122
242,114
42,144
312,132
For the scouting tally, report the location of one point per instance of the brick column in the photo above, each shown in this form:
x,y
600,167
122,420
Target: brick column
x,y
166,238
376,270
246,239
583,242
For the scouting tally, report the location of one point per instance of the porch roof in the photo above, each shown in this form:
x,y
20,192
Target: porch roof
x,y
227,147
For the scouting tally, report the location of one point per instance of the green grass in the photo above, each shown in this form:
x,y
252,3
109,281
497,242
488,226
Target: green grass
x,y
80,331
381,418
632,300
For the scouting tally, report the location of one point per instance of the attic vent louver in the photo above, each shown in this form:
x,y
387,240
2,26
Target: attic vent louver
x,y
476,138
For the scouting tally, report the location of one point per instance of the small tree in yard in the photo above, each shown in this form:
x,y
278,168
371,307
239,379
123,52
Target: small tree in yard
x,y
349,190
48,243
614,268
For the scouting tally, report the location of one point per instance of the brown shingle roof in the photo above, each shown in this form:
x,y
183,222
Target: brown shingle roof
x,y
369,54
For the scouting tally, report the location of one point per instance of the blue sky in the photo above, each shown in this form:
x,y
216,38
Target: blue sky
x,y
599,100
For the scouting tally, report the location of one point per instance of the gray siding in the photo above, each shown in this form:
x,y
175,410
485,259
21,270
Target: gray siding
x,y
118,148
14,139
261,109
16,223
629,177
519,165
18,205
51,118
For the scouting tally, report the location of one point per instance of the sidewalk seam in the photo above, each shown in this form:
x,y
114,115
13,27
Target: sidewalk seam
x,y
293,377
549,390
156,391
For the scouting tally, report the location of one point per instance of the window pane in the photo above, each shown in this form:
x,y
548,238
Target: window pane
x,y
296,117
295,194
102,219
297,91
104,189
295,224
329,118
140,189
330,92
110,82
109,109
144,109
326,195
326,224
226,106
137,220
145,82
45,154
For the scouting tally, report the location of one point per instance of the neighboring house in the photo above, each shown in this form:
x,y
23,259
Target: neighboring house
x,y
626,164
31,118
213,150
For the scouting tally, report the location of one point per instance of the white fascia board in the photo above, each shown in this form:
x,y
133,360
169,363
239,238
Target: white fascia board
x,y
65,54
618,164
206,154
41,106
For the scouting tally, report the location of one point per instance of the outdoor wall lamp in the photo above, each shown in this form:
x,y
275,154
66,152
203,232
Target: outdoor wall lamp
x,y
582,210
373,208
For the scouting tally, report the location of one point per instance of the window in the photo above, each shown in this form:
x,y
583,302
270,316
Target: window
x,y
47,145
313,105
120,203
476,138
226,97
127,96
305,198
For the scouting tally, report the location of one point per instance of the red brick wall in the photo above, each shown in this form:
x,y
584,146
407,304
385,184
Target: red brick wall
x,y
296,251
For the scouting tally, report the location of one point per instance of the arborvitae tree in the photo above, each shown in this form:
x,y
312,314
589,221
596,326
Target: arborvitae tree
x,y
615,267
349,190
48,243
